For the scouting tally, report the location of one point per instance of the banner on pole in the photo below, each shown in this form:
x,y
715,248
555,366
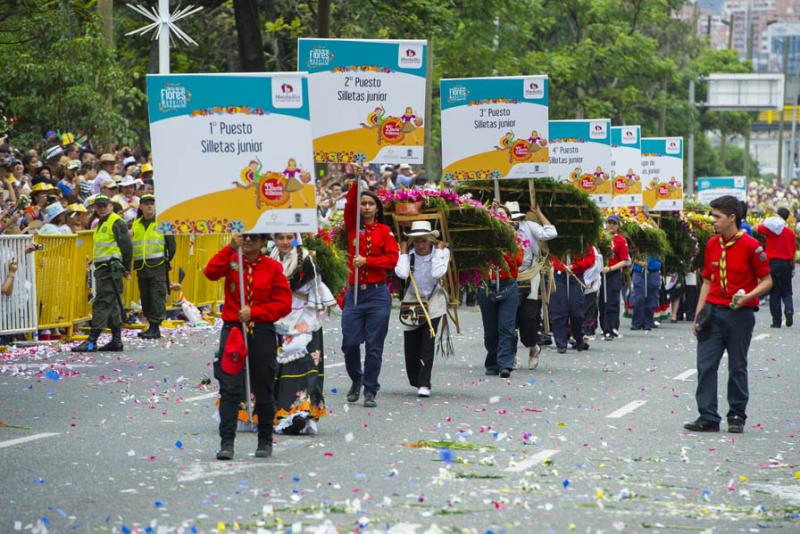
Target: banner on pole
x,y
662,173
232,152
626,166
494,128
713,187
367,99
580,153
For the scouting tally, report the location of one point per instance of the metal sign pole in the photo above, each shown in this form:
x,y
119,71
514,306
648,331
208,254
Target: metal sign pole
x,y
248,401
358,237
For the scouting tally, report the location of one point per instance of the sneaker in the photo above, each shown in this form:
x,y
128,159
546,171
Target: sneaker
x,y
789,320
369,400
264,448
582,346
562,350
702,425
773,325
533,357
424,392
616,333
505,373
225,450
545,340
492,372
608,336
735,425
355,391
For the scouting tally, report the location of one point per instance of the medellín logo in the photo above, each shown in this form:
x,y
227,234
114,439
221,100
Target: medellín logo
x,y
409,55
457,93
173,97
286,93
533,88
628,136
319,56
598,130
673,146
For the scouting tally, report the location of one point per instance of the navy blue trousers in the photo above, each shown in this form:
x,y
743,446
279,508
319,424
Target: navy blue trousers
x,y
645,301
730,331
781,292
566,303
499,327
609,301
368,323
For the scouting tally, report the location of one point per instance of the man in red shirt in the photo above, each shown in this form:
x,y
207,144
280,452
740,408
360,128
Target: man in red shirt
x,y
267,298
735,274
566,302
612,280
781,248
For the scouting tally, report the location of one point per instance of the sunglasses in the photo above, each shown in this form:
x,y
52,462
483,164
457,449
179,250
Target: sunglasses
x,y
251,237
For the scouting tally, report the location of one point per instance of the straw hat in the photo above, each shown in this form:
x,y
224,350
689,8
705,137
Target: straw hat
x,y
513,208
422,229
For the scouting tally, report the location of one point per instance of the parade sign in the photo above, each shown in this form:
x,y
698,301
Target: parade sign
x,y
626,166
494,128
232,152
712,187
367,99
662,173
580,153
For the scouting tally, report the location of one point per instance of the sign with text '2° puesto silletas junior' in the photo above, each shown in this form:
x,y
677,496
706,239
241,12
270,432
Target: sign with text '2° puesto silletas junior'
x,y
232,152
494,128
367,99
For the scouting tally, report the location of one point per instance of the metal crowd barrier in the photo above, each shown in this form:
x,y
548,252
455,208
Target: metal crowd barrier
x,y
18,311
62,277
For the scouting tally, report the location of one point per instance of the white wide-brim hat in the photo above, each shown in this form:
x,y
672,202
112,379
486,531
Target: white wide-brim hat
x,y
513,208
422,229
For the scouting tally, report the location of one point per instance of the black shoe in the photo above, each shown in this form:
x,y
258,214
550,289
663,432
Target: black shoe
x,y
545,340
562,350
505,373
789,320
608,336
582,346
87,346
492,372
369,400
773,325
702,425
355,391
225,450
735,425
264,448
115,345
153,332
635,328
673,321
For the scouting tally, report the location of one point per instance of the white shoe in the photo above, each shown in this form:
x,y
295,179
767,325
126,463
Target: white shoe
x,y
533,357
424,392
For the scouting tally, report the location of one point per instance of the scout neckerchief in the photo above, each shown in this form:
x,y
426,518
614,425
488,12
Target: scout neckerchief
x,y
368,230
723,261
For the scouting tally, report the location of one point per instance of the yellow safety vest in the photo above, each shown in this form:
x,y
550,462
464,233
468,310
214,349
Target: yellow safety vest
x,y
148,244
105,245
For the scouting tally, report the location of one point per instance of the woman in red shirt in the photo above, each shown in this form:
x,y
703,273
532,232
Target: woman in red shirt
x,y
267,298
368,321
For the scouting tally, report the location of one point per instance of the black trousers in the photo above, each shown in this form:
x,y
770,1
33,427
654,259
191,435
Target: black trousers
x,y
589,313
730,331
609,301
419,349
262,352
529,316
781,292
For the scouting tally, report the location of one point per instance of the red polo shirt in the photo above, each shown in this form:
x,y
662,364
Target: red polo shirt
x,y
376,243
781,246
619,250
271,297
579,264
747,262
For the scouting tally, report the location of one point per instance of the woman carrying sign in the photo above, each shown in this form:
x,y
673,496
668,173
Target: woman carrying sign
x,y
267,298
366,320
426,266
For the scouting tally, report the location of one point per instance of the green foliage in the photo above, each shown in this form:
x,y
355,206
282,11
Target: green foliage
x,y
683,244
332,263
645,239
65,74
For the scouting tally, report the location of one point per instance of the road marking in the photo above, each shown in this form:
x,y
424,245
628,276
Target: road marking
x,y
26,439
329,365
628,408
759,337
206,470
201,397
685,375
537,458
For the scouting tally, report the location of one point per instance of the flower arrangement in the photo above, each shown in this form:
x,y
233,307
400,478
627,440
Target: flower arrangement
x,y
643,234
332,262
683,241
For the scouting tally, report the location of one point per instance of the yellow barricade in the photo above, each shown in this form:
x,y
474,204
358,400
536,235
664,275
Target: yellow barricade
x,y
62,276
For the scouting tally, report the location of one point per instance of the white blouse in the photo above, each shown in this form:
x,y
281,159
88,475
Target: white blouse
x,y
428,272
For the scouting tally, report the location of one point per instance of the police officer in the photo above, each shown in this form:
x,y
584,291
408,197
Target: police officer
x,y
152,252
113,251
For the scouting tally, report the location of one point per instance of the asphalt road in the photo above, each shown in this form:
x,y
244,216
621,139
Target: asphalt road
x,y
589,442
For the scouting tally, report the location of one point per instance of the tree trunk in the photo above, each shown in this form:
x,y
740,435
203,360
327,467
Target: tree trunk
x,y
323,18
662,113
722,139
105,9
248,28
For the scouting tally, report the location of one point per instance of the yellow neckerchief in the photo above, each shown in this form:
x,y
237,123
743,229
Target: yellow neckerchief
x,y
723,260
